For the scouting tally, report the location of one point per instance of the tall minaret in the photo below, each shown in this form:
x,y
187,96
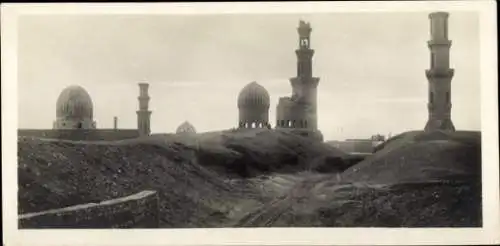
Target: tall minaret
x,y
143,114
305,85
439,75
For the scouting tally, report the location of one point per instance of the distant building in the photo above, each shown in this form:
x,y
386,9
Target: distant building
x,y
253,106
185,128
439,75
74,109
74,119
300,110
378,137
359,145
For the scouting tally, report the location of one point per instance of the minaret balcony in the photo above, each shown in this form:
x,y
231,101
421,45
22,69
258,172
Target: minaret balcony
x,y
143,112
305,52
439,73
439,42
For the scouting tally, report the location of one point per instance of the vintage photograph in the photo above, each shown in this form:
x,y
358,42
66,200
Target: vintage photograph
x,y
250,120
322,120
318,120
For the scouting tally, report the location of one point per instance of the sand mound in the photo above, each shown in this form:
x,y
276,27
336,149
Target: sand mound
x,y
417,179
430,204
262,177
252,152
421,156
59,174
198,178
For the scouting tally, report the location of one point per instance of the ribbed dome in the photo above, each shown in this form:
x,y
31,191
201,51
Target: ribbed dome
x,y
186,127
74,103
253,95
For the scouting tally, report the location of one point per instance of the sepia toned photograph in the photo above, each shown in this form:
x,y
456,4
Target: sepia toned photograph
x,y
339,119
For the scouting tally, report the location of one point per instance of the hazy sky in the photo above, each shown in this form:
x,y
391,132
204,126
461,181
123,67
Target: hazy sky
x,y
371,68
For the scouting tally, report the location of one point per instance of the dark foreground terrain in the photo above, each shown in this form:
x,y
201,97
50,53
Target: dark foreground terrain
x,y
264,178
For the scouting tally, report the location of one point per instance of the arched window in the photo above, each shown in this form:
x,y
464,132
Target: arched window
x,y
447,97
431,97
79,125
305,124
304,43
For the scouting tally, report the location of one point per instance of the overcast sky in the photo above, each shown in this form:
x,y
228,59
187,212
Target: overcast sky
x,y
371,68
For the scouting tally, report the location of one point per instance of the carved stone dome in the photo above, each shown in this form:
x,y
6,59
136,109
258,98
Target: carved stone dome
x,y
253,95
74,103
186,127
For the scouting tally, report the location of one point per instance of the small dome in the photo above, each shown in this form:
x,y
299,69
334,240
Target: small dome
x,y
74,103
186,127
252,95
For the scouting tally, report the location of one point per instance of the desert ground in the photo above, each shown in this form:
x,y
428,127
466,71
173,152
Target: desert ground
x,y
264,178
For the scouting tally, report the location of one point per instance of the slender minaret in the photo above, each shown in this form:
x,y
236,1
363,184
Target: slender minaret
x,y
143,114
439,75
115,123
304,85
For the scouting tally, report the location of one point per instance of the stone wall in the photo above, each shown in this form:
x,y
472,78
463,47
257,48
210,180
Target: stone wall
x,y
361,145
354,145
80,134
136,211
316,135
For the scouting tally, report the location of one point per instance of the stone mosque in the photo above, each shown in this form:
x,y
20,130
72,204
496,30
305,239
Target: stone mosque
x,y
74,110
74,106
75,119
298,111
253,105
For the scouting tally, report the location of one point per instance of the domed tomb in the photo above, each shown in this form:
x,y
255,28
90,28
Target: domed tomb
x,y
74,109
185,127
253,105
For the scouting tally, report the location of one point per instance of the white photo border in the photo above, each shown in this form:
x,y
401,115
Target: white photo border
x,y
489,234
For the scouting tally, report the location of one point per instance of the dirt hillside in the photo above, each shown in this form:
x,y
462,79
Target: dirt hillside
x,y
200,179
417,179
264,178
